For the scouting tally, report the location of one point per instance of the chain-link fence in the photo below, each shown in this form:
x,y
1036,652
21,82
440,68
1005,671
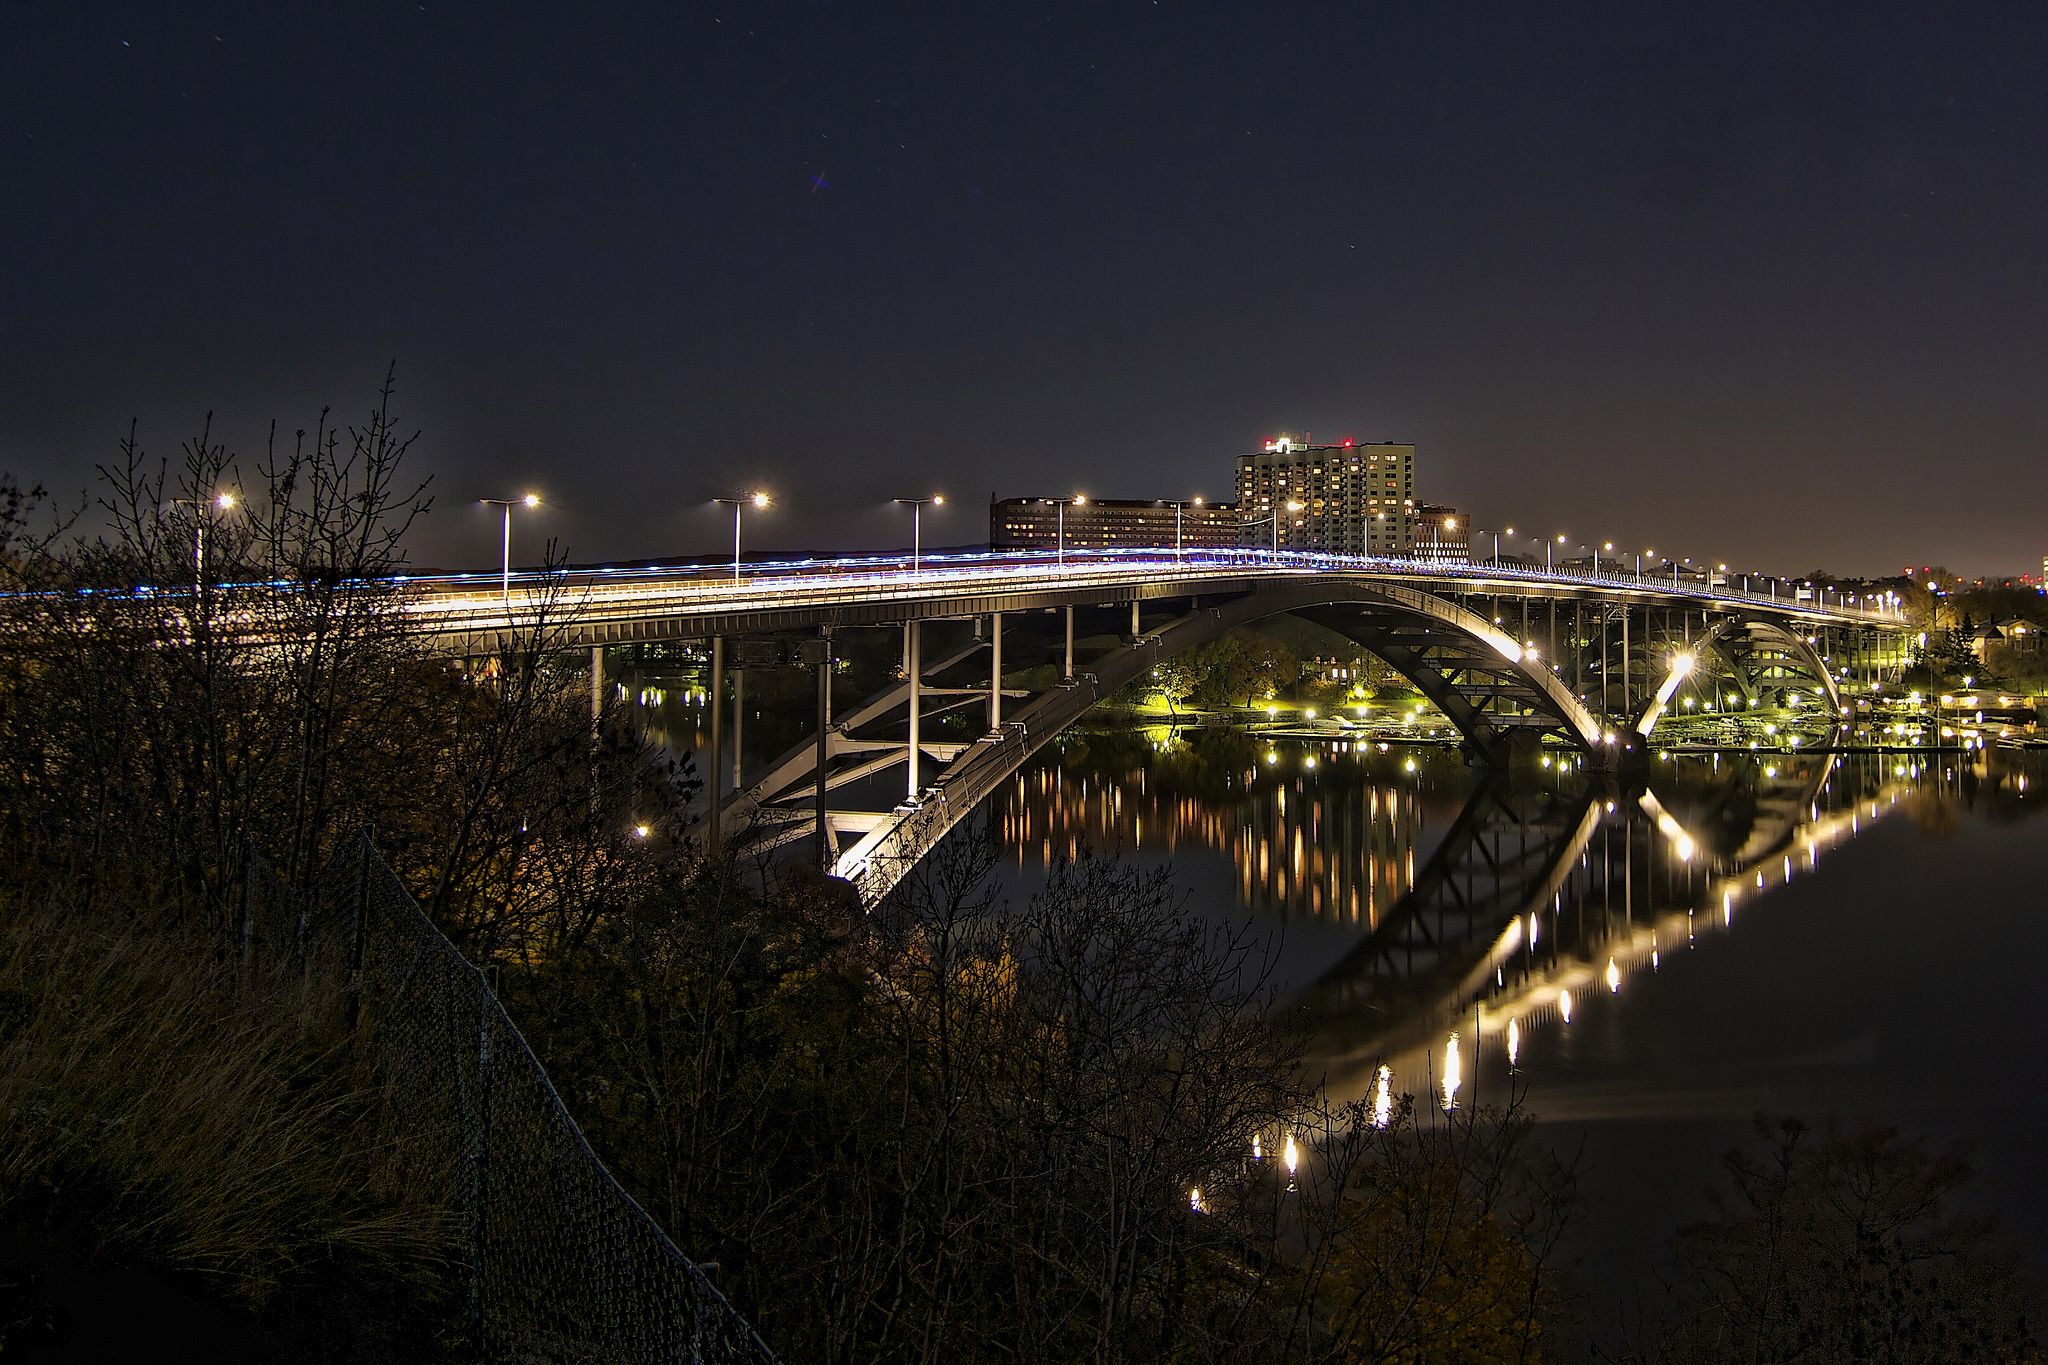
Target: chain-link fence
x,y
560,1264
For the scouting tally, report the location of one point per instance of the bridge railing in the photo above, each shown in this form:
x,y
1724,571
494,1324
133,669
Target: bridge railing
x,y
636,592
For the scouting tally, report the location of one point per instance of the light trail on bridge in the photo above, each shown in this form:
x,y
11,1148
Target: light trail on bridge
x,y
473,602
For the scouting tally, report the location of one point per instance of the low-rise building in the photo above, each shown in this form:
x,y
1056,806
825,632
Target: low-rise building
x,y
1083,523
1441,535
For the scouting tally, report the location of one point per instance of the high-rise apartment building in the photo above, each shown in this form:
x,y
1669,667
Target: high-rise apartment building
x,y
1353,498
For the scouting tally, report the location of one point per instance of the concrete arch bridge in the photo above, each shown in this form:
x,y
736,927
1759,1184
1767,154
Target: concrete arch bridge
x,y
1514,659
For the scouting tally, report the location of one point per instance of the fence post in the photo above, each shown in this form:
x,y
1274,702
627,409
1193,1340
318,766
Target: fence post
x,y
480,1163
359,913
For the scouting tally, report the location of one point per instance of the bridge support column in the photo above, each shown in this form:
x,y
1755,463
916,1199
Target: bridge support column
x,y
827,855
995,671
739,722
1134,618
1606,677
1578,649
596,685
1628,703
714,778
1070,644
1514,751
913,668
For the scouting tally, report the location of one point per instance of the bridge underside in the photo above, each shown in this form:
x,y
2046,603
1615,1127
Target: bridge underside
x,y
875,787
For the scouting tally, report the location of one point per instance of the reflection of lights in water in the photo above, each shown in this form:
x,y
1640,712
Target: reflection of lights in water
x,y
1514,1041
1454,1072
1654,962
1613,977
1383,1099
1564,1005
1532,928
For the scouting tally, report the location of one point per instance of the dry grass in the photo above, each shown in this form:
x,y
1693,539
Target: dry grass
x,y
168,1115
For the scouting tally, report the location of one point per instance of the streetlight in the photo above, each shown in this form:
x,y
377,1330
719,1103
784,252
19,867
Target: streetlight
x,y
1177,509
225,502
916,506
1436,552
1639,562
1274,518
1546,552
1607,545
1291,507
743,500
1079,500
530,500
1507,531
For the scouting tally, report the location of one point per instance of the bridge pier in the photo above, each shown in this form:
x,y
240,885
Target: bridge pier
x,y
995,671
1070,644
1628,705
739,722
596,685
913,667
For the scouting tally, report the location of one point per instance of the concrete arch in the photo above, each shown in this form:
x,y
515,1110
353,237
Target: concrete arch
x,y
1725,634
1496,693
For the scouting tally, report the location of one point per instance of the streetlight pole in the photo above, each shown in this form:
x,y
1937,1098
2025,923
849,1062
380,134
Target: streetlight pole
x,y
1060,539
1291,507
1509,531
225,502
1177,509
1605,545
916,506
505,575
1547,563
1273,518
744,500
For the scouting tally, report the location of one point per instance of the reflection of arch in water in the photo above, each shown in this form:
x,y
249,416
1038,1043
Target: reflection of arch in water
x,y
1506,854
1578,941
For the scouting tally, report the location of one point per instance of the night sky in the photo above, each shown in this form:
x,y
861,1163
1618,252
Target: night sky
x,y
1756,283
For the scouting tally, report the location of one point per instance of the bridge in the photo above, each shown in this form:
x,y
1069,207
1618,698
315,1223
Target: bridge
x,y
1516,659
